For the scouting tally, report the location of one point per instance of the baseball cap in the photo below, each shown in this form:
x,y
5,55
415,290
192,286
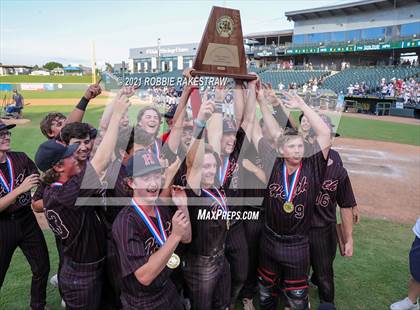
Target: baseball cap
x,y
229,126
327,120
326,306
4,126
142,163
171,111
51,152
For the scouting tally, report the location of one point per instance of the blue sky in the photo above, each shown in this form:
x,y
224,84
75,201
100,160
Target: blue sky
x,y
34,32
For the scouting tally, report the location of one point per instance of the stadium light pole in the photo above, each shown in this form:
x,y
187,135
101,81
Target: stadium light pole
x,y
158,55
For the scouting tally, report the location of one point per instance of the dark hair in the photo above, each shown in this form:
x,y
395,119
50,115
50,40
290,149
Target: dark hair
x,y
125,141
142,111
50,176
46,122
289,133
75,130
208,149
127,188
142,137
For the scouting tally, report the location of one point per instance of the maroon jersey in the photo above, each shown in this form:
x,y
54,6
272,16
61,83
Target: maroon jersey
x,y
23,167
208,235
180,177
116,190
135,244
39,193
162,151
253,189
311,175
336,188
79,225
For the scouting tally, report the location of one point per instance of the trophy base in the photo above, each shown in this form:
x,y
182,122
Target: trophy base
x,y
243,77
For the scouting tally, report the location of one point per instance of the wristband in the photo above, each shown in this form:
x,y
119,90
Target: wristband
x,y
82,104
199,123
198,132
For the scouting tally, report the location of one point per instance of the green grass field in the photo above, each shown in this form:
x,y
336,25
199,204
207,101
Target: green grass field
x,y
45,79
374,278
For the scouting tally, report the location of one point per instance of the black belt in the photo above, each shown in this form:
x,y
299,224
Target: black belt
x,y
284,238
214,253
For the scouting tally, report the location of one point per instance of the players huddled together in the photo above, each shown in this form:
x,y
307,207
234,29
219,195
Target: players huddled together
x,y
126,206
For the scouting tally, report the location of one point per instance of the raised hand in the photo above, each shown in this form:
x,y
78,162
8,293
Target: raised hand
x,y
187,73
292,101
121,105
270,95
254,83
128,90
206,109
180,224
179,197
93,91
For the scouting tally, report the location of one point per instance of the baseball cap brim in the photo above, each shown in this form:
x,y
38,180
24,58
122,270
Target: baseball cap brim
x,y
70,150
143,172
5,127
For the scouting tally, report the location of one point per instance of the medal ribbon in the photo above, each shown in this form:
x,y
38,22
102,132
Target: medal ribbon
x,y
157,150
220,202
223,170
290,192
56,184
8,186
158,234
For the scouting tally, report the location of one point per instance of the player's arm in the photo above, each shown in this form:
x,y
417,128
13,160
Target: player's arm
x,y
256,134
176,132
321,129
106,116
195,152
147,273
215,122
273,127
347,222
250,106
179,198
239,94
79,111
38,205
258,172
105,150
346,201
356,215
28,183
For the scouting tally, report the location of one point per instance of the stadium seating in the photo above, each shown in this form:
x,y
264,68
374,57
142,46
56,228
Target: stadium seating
x,y
370,75
291,76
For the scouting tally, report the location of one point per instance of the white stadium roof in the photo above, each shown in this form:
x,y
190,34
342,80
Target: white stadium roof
x,y
347,9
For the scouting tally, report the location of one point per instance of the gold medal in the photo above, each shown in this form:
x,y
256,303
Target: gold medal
x,y
288,207
173,262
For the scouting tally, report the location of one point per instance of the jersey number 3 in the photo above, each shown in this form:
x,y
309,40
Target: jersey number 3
x,y
56,224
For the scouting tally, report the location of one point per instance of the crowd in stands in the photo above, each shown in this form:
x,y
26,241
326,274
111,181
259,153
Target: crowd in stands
x,y
406,90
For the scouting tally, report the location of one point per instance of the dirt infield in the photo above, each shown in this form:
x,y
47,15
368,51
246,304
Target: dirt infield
x,y
387,118
102,100
385,178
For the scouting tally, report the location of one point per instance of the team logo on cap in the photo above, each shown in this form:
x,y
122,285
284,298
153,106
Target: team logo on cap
x,y
148,159
225,26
